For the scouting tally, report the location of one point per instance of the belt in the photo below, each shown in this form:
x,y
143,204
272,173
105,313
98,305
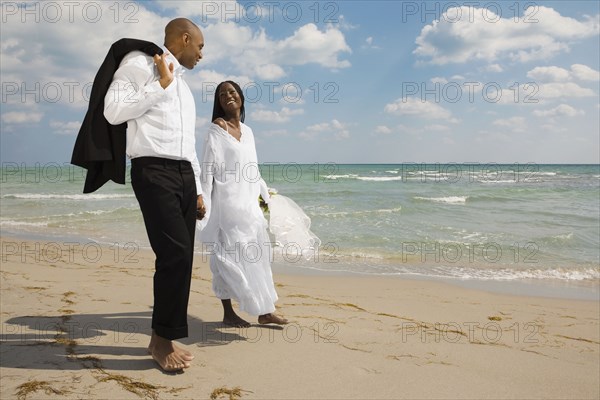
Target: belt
x,y
142,161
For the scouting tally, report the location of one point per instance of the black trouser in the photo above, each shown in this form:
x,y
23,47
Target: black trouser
x,y
166,192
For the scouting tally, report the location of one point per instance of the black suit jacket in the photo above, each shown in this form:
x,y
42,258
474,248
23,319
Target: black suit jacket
x,y
100,146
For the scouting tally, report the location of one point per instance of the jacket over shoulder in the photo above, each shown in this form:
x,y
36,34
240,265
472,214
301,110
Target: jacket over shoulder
x,y
100,147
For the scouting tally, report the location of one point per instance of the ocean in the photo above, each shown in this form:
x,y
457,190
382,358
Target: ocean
x,y
499,223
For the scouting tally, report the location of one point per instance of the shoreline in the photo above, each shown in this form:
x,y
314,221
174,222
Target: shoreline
x,y
584,291
548,288
76,325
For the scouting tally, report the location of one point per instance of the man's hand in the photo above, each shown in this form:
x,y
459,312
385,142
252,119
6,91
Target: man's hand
x,y
165,71
200,209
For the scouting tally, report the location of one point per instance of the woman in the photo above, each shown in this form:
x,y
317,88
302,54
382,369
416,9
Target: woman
x,y
234,226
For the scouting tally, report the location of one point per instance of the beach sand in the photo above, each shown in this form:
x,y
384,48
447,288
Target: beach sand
x,y
76,323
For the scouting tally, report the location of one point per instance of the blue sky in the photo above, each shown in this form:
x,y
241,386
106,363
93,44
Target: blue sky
x,y
331,81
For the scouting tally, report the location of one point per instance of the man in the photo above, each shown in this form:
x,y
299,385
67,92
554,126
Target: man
x,y
149,93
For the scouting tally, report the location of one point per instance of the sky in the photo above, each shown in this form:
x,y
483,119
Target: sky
x,y
330,81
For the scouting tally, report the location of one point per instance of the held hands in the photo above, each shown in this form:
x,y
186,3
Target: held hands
x,y
200,209
165,71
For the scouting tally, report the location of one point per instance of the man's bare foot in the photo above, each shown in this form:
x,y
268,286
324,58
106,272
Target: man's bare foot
x,y
186,354
236,321
271,319
169,357
152,343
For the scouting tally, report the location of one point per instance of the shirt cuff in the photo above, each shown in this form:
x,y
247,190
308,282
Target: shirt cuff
x,y
154,92
157,87
154,87
199,189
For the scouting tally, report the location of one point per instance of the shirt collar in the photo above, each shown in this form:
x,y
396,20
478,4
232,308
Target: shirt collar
x,y
177,68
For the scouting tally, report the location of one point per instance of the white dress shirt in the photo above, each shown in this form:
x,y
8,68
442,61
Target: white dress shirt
x,y
160,122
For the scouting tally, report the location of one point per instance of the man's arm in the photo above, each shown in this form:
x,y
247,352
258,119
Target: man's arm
x,y
201,209
207,176
133,91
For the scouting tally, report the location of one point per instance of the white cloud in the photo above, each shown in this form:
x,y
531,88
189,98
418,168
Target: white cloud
x,y
310,45
559,111
334,129
369,43
340,21
524,94
209,76
205,83
276,117
549,74
30,42
563,89
52,53
556,74
416,107
436,128
209,11
532,93
18,117
289,97
383,129
65,128
464,34
585,73
494,68
246,49
66,48
515,124
269,72
439,79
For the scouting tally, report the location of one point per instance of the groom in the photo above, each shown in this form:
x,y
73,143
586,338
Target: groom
x,y
150,95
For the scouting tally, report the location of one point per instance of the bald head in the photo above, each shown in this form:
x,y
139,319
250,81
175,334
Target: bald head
x,y
185,41
177,27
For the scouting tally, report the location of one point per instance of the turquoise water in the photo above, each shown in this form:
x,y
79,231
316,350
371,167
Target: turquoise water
x,y
513,222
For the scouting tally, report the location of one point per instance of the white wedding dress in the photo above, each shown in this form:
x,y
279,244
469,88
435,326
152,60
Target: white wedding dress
x,y
290,227
234,229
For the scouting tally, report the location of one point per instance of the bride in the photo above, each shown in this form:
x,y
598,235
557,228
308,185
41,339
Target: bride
x,y
234,227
